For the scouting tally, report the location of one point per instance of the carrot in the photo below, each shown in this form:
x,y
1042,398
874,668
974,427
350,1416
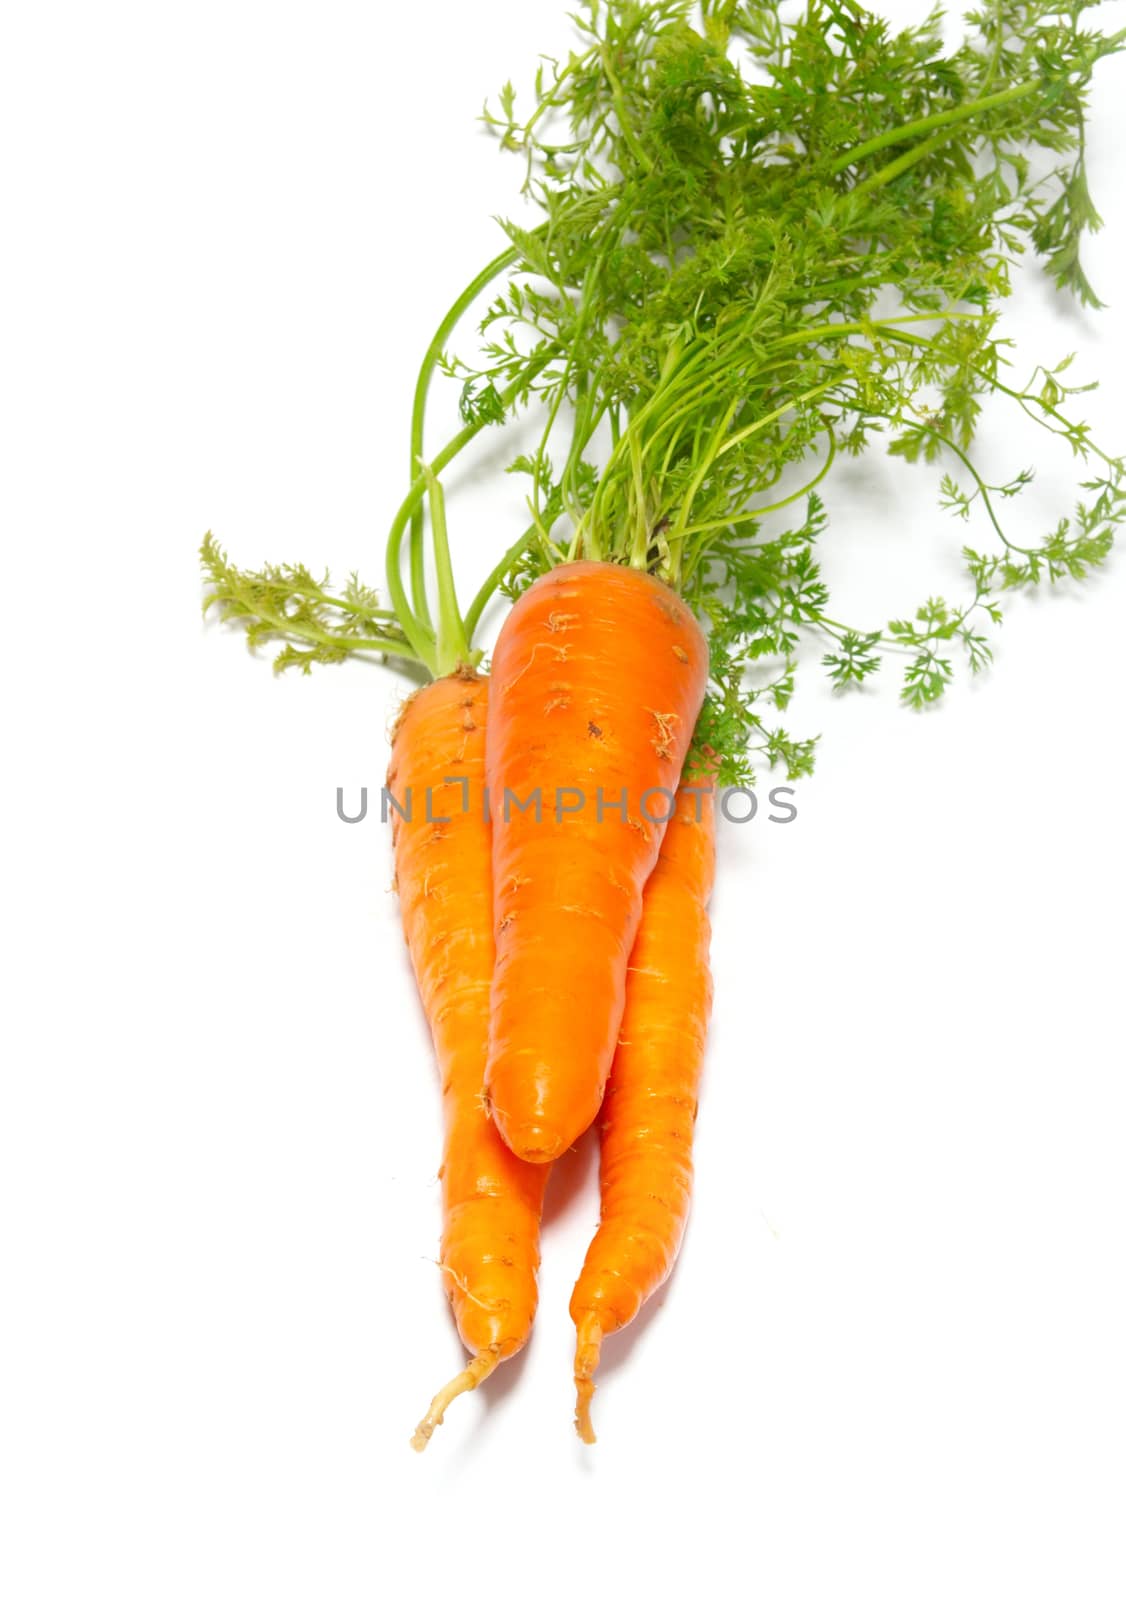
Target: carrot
x,y
650,1107
491,1201
598,676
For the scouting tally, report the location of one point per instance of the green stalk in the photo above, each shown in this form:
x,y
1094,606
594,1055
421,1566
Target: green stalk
x,y
419,636
492,583
420,639
618,98
901,164
710,454
755,512
418,412
940,119
452,644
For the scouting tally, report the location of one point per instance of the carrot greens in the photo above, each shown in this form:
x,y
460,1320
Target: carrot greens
x,y
765,245
759,242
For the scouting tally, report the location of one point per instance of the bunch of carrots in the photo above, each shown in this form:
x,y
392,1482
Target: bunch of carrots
x,y
763,243
504,920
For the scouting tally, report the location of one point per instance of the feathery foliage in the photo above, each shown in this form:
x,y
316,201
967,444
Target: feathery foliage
x,y
766,244
286,603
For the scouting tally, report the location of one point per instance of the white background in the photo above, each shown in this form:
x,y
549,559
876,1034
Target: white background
x,y
890,1360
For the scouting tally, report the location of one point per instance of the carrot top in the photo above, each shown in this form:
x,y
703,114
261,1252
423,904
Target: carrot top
x,y
755,246
766,244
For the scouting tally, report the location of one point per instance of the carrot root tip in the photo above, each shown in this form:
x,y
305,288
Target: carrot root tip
x,y
583,1425
475,1372
588,1348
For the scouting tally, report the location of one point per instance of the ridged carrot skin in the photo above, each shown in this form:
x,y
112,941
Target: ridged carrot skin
x,y
598,676
650,1107
491,1201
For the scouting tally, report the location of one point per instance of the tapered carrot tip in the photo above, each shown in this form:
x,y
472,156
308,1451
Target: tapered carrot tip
x,y
476,1372
587,1351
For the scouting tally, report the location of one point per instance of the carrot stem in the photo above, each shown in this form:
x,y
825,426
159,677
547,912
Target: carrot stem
x,y
474,1373
418,413
420,637
492,583
940,119
451,644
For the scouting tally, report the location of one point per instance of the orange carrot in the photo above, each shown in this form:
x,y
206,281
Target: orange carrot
x,y
598,676
491,1201
650,1106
